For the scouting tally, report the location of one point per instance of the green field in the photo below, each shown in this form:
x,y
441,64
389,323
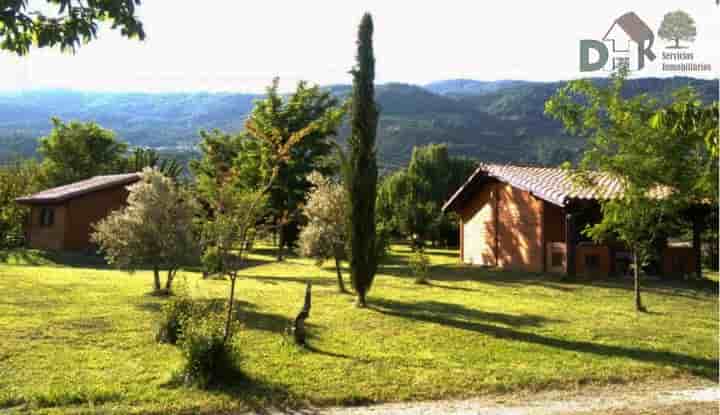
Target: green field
x,y
81,339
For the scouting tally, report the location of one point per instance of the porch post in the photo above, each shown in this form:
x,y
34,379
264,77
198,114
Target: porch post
x,y
697,231
570,243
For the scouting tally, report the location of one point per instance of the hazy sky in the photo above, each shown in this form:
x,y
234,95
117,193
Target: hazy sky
x,y
240,45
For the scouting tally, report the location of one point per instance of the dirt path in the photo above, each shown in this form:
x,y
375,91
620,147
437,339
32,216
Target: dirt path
x,y
667,398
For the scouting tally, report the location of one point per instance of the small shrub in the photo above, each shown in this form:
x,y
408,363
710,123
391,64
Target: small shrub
x,y
174,313
419,264
208,359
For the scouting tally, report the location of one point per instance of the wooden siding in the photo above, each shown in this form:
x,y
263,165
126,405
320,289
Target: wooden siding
x,y
47,237
520,233
478,228
88,209
503,226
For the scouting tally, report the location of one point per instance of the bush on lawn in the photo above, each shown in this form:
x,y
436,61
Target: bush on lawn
x,y
208,358
419,264
174,313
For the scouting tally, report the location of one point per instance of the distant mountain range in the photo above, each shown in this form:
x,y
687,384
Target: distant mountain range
x,y
496,121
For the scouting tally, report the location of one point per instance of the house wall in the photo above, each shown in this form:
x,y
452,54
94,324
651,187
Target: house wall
x,y
478,228
520,229
47,237
503,226
678,261
86,210
602,260
553,222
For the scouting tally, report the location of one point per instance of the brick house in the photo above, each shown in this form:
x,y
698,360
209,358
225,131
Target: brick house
x,y
529,218
61,218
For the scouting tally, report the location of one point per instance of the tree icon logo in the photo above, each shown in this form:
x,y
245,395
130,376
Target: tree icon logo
x,y
677,26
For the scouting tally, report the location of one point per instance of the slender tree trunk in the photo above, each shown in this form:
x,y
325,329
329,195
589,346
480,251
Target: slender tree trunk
x,y
341,284
281,242
156,275
677,43
231,301
638,300
170,278
361,300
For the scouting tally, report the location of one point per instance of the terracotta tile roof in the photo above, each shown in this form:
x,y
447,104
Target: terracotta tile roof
x,y
553,184
73,190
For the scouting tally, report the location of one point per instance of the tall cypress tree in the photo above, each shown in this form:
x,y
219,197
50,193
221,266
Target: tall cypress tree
x,y
361,167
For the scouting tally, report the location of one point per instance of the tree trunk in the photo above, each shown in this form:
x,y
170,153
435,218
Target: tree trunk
x,y
677,43
636,266
281,242
361,300
299,324
341,284
170,278
231,301
156,281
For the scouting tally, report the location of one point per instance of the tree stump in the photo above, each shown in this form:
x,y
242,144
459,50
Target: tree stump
x,y
299,324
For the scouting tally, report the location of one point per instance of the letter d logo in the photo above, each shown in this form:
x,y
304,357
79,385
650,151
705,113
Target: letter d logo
x,y
585,64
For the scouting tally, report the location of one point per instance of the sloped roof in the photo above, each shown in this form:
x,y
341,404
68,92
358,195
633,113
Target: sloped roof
x,y
552,184
73,190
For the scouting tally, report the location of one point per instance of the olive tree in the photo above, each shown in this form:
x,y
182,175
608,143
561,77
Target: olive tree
x,y
323,237
153,230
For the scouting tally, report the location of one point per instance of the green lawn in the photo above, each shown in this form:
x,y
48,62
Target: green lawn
x,y
76,339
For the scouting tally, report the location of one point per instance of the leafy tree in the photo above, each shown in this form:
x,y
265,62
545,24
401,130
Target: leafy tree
x,y
323,237
17,178
75,22
237,204
307,108
677,26
141,158
77,151
154,229
360,167
665,156
410,200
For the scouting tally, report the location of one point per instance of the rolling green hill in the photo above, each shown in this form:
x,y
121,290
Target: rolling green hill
x,y
497,121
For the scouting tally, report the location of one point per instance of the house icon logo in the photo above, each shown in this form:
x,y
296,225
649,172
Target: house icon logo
x,y
627,44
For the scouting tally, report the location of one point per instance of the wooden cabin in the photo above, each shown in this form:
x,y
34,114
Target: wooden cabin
x,y
529,218
61,218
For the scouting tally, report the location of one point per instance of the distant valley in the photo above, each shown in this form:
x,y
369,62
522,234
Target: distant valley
x,y
498,121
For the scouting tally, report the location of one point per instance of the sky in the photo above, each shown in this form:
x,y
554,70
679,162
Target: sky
x,y
233,45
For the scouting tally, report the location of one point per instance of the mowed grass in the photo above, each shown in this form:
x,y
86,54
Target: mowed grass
x,y
79,339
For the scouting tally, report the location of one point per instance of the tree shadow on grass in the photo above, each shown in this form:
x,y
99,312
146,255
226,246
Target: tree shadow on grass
x,y
246,313
692,288
273,279
37,257
444,314
256,395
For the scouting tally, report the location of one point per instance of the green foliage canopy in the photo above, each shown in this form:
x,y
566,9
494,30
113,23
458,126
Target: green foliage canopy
x,y
77,151
74,22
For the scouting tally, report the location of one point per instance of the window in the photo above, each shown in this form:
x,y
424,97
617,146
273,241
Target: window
x,y
592,262
47,216
556,259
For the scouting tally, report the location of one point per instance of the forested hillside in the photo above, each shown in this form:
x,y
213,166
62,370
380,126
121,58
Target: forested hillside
x,y
498,121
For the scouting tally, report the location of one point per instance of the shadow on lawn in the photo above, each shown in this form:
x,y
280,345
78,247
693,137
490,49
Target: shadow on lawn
x,y
442,313
448,273
36,257
272,279
246,314
256,395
